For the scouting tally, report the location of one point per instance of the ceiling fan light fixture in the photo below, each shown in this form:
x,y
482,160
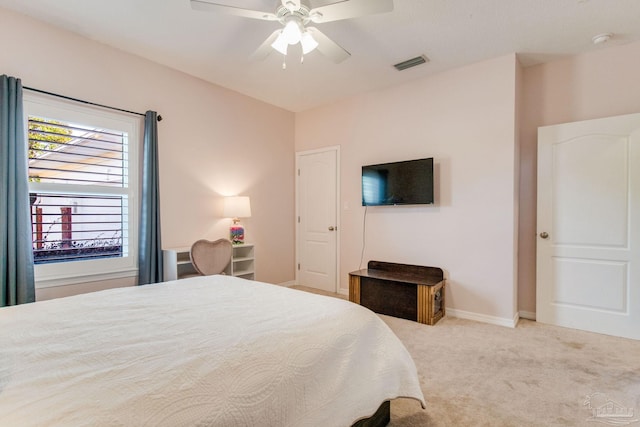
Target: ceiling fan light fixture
x,y
294,16
281,44
308,43
292,31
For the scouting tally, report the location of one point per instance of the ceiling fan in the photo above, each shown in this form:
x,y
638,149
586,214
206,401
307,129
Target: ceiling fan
x,y
294,15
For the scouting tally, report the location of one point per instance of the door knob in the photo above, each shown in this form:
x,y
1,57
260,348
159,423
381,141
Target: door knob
x,y
544,235
331,228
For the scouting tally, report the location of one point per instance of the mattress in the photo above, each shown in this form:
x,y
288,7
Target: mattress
x,y
215,350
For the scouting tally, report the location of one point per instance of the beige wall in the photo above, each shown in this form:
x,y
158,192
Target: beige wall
x,y
594,85
213,141
465,119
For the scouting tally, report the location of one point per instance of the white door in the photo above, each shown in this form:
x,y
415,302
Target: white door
x,y
588,255
317,227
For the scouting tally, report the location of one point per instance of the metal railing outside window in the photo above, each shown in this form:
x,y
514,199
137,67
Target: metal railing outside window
x,y
80,209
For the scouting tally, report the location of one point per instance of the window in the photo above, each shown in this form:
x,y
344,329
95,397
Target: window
x,y
83,190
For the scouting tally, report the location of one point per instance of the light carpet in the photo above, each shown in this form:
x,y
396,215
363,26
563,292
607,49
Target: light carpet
x,y
476,374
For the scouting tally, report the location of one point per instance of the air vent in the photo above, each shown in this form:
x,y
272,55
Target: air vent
x,y
411,62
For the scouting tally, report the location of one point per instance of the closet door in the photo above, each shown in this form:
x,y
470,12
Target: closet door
x,y
588,256
317,219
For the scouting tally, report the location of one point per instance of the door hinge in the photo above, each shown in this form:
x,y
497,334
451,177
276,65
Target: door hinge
x,y
298,266
298,219
298,172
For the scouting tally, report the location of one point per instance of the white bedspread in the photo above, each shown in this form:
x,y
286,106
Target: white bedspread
x,y
206,351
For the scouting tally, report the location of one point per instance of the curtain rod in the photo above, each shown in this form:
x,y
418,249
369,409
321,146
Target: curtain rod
x,y
86,102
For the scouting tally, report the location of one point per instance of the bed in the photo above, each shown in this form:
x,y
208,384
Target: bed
x,y
214,351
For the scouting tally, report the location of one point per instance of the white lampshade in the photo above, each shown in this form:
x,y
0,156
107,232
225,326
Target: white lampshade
x,y
280,44
308,42
292,31
237,207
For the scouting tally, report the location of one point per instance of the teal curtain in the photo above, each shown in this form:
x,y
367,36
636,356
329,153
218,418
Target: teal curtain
x,y
149,242
16,252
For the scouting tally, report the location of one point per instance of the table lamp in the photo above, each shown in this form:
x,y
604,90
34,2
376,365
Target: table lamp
x,y
237,207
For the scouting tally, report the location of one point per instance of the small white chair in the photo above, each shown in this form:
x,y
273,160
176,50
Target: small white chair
x,y
211,257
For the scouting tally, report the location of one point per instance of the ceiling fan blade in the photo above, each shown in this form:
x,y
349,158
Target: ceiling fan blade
x,y
328,47
292,5
230,10
347,9
265,48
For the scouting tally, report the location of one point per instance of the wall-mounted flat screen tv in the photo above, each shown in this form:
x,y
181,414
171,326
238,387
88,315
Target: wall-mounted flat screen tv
x,y
399,183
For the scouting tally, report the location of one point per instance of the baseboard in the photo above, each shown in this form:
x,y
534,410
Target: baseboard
x,y
288,284
291,283
494,320
529,315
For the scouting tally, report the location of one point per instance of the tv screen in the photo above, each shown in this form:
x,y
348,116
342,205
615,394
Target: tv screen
x,y
398,183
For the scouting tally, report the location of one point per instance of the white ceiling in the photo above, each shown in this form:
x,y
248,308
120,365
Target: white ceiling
x,y
451,33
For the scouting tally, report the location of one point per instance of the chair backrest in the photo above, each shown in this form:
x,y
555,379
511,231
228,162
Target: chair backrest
x,y
210,257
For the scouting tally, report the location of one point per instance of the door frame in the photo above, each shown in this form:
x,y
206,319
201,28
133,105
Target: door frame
x,y
299,154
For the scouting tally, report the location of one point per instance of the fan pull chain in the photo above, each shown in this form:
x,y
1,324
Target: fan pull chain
x,y
284,62
302,59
